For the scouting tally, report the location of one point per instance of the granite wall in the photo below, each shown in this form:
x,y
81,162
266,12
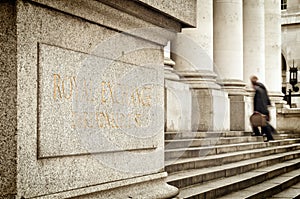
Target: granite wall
x,y
83,92
8,100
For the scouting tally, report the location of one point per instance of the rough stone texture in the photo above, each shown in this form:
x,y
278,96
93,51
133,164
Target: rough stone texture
x,y
99,107
184,10
8,100
83,38
46,176
157,189
112,18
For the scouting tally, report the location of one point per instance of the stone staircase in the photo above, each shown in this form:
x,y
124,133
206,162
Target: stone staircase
x,y
232,164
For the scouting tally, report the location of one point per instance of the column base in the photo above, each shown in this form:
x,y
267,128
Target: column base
x,y
241,105
169,72
277,102
178,104
210,104
149,186
210,110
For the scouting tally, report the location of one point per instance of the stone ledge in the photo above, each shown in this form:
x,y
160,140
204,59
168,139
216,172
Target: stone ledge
x,y
288,19
183,10
292,112
105,15
154,189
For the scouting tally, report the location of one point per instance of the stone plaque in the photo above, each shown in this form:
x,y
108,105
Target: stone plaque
x,y
90,104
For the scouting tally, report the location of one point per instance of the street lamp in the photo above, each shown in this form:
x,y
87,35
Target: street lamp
x,y
293,82
294,77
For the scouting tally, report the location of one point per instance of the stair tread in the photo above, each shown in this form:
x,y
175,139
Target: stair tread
x,y
291,192
264,186
208,134
212,157
195,172
211,138
230,145
211,185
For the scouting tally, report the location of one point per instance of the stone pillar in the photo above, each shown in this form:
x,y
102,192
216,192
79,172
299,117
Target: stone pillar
x,y
177,97
254,39
82,106
273,54
192,52
253,47
228,57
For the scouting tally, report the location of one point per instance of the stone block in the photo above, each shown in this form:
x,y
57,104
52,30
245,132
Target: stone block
x,y
177,106
83,102
210,111
241,109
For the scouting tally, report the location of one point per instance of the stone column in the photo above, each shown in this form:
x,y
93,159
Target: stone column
x,y
228,57
192,52
254,39
253,47
273,53
177,97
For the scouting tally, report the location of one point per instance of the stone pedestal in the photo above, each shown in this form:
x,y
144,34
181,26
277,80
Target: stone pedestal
x,y
240,105
210,103
288,119
83,103
177,106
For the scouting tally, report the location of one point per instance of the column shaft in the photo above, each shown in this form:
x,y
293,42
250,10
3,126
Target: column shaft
x,y
254,39
228,38
273,45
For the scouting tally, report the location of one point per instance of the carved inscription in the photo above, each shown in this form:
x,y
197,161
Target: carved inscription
x,y
89,104
89,92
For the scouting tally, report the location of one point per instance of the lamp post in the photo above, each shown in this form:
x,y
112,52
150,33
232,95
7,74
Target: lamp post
x,y
294,77
293,81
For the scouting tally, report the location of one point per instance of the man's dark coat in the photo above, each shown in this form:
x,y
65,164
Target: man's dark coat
x,y
261,99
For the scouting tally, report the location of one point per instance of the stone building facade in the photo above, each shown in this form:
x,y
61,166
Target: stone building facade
x,y
290,43
82,97
233,40
88,87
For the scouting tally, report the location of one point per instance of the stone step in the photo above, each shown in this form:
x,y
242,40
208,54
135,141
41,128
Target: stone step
x,y
188,142
219,149
286,136
278,186
221,187
195,135
190,177
292,192
221,159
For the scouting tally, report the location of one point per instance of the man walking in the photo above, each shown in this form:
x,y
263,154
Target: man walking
x,y
261,101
